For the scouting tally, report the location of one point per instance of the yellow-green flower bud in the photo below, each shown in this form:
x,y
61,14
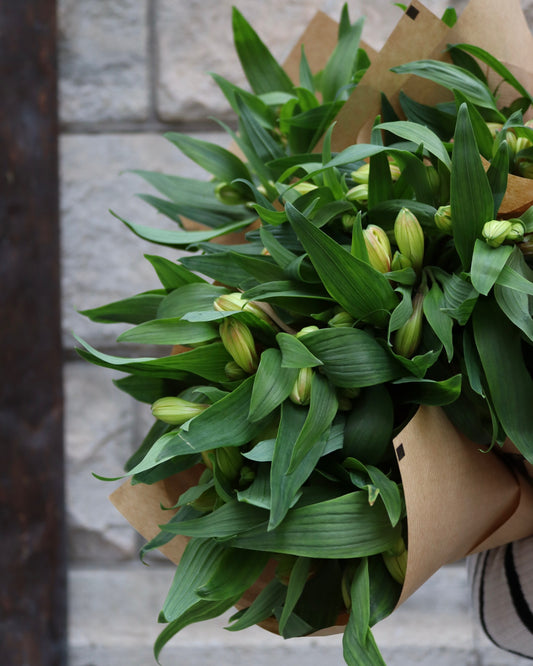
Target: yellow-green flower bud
x,y
396,561
301,391
239,342
525,168
229,461
176,411
229,195
359,194
433,179
443,219
304,187
362,174
348,221
494,129
234,302
495,232
522,144
233,371
510,137
408,337
341,320
409,237
306,330
399,262
516,232
378,248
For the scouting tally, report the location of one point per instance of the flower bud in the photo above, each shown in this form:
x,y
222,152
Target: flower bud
x,y
409,237
233,371
396,561
525,168
341,320
433,179
229,195
510,137
408,337
348,221
399,262
229,461
443,219
306,330
522,144
359,194
239,342
301,391
176,411
206,502
304,187
361,175
496,231
516,232
246,476
234,302
494,129
378,248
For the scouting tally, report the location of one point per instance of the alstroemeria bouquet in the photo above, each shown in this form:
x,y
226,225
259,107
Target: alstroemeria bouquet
x,y
373,282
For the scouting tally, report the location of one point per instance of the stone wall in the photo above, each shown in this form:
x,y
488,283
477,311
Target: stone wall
x,y
129,71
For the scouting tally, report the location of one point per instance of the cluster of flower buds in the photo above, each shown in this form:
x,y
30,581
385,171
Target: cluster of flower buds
x,y
497,232
176,411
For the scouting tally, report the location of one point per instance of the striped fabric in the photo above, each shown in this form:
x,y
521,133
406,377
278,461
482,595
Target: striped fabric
x,y
502,595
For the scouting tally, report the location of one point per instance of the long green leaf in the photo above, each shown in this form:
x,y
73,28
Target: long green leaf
x,y
361,290
270,597
236,572
440,322
341,64
510,384
170,332
272,384
419,134
487,264
263,72
343,527
132,310
171,274
471,197
294,353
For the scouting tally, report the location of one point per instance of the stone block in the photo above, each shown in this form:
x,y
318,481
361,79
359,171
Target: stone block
x,y
196,37
100,429
102,260
103,60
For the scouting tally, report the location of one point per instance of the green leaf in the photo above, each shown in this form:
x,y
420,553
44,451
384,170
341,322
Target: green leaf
x,y
340,66
145,389
207,361
471,197
369,425
264,145
294,353
509,382
272,384
358,644
320,530
496,65
440,322
181,238
422,391
263,113
498,174
449,17
322,410
453,78
263,72
171,274
516,303
196,297
361,290
270,597
419,134
218,161
351,357
236,572
487,264
231,519
297,581
438,121
284,486
132,310
172,331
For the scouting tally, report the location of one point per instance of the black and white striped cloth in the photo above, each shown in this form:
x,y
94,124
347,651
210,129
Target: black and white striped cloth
x,y
502,595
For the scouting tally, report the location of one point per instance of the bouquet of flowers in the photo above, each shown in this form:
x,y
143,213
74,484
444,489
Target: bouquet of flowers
x,y
333,375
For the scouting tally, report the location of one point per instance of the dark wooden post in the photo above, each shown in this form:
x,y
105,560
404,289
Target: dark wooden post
x,y
32,541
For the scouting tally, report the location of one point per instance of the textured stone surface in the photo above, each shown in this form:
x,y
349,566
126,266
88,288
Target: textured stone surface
x,y
102,259
103,60
100,429
193,40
